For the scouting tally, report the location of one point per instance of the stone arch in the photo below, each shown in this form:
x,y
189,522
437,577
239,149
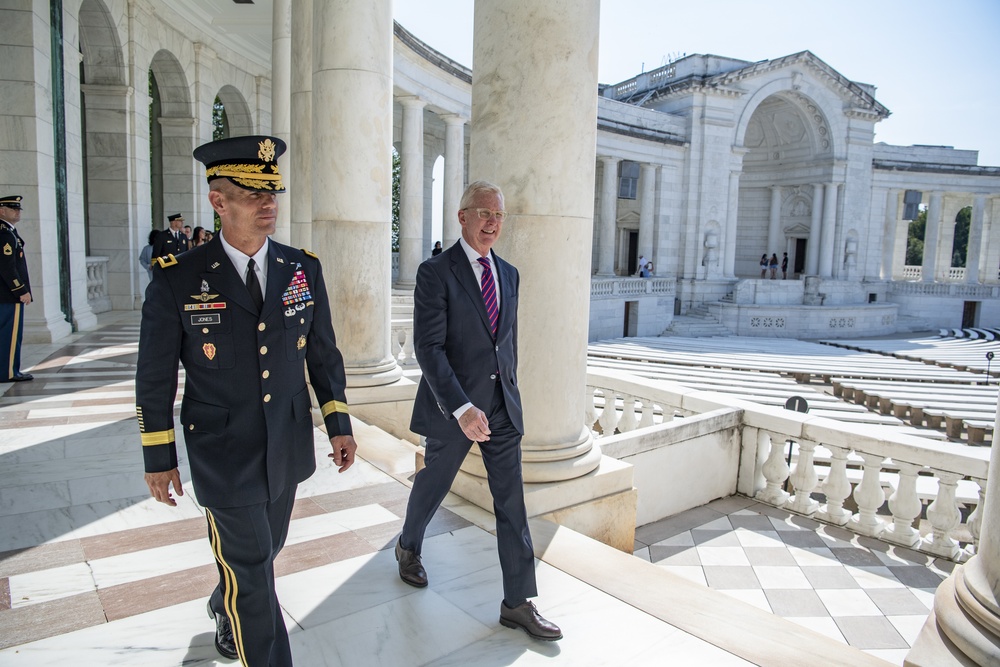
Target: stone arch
x,y
240,120
171,137
813,113
108,196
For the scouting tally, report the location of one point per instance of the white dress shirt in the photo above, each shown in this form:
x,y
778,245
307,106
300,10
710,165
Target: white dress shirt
x,y
240,261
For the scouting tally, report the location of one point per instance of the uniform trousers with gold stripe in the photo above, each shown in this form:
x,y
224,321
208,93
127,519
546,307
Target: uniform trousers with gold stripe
x,y
245,541
11,333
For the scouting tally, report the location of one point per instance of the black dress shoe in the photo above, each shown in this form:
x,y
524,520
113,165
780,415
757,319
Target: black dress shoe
x,y
23,377
527,618
410,569
225,644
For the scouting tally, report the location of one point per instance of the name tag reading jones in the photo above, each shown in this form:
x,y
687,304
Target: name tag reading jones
x,y
207,318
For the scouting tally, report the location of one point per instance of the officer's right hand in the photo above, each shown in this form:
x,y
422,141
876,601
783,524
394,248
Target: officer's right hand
x,y
159,485
474,425
25,298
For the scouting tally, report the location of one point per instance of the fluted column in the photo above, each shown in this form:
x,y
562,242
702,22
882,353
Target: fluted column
x,y
454,173
774,224
975,247
827,248
964,627
647,189
890,225
540,150
352,207
815,232
300,165
609,215
732,221
411,192
281,99
932,237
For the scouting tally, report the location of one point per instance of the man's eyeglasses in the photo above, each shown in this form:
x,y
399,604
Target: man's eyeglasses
x,y
486,214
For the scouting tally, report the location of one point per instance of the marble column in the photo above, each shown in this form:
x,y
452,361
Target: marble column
x,y
774,240
608,223
827,248
964,627
815,232
454,176
647,191
540,150
890,224
299,200
411,192
975,248
932,238
281,96
732,222
352,208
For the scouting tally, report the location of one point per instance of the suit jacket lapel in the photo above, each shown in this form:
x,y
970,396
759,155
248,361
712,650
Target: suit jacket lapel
x,y
221,276
279,276
462,269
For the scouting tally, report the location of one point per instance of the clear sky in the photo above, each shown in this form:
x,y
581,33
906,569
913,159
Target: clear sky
x,y
936,63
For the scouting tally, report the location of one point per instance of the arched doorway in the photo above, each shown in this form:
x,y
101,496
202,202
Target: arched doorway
x,y
238,120
171,138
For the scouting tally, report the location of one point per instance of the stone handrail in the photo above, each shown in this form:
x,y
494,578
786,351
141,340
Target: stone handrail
x,y
956,273
905,465
946,289
97,279
911,272
607,288
401,342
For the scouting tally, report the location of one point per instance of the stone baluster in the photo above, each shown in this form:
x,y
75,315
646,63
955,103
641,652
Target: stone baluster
x,y
905,507
609,415
775,471
804,480
975,520
589,411
944,517
869,496
760,457
647,413
836,488
628,421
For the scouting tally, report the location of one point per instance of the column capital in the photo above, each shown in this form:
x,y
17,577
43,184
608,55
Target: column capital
x,y
609,159
453,119
412,102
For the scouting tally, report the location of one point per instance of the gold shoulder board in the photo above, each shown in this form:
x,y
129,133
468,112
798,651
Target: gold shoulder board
x,y
164,262
310,253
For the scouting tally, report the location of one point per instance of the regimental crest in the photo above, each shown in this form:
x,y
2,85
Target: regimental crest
x,y
209,350
266,152
300,343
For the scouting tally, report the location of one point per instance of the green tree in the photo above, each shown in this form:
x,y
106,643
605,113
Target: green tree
x,y
220,121
960,246
915,240
395,200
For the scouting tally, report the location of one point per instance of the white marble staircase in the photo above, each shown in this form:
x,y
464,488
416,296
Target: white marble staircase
x,y
698,322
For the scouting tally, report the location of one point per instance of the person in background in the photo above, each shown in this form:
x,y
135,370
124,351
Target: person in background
x,y
763,265
199,237
146,254
171,241
437,249
16,292
784,267
773,265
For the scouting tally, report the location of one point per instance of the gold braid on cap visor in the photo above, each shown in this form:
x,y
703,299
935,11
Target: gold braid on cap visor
x,y
248,175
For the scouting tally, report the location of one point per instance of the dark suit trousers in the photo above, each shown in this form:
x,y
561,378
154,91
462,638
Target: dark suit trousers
x,y
245,541
502,457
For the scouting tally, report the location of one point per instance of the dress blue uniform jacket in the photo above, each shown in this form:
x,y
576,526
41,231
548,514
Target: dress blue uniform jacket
x,y
459,360
13,266
246,408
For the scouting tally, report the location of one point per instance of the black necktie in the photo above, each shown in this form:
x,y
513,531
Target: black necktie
x,y
253,286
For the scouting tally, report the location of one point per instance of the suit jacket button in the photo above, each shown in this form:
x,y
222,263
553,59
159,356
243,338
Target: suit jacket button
x,y
261,326
496,348
263,349
190,427
267,398
493,376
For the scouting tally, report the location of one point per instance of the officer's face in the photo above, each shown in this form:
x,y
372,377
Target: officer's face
x,y
245,212
11,215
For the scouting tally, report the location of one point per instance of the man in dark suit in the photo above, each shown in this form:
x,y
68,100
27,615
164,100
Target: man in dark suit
x,y
15,293
171,241
465,336
244,315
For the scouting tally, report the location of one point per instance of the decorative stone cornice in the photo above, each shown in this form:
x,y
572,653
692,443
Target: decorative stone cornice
x,y
435,58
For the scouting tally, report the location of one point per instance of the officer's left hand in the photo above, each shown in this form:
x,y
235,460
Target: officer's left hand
x,y
344,448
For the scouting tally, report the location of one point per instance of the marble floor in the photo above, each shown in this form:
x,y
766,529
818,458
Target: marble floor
x,y
93,572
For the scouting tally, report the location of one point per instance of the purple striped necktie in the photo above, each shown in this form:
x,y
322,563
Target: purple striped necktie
x,y
489,294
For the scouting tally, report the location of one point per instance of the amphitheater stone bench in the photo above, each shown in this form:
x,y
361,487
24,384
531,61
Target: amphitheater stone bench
x,y
976,430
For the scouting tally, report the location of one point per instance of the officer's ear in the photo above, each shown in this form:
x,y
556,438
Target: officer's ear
x,y
217,199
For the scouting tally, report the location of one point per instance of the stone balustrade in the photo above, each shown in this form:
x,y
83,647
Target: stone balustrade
x,y
97,279
908,491
402,342
609,288
912,272
956,273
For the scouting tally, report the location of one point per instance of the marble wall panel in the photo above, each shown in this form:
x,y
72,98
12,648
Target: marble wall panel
x,y
17,98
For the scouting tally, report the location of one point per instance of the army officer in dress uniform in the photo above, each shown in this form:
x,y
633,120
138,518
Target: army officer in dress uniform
x,y
16,293
242,313
171,241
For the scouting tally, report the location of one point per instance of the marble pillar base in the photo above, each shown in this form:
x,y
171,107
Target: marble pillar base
x,y
600,505
376,375
963,629
46,331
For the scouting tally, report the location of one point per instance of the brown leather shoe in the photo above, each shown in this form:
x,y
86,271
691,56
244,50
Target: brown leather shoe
x,y
225,644
527,618
410,569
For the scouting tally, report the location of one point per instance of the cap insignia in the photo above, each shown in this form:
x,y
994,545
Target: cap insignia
x,y
266,152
